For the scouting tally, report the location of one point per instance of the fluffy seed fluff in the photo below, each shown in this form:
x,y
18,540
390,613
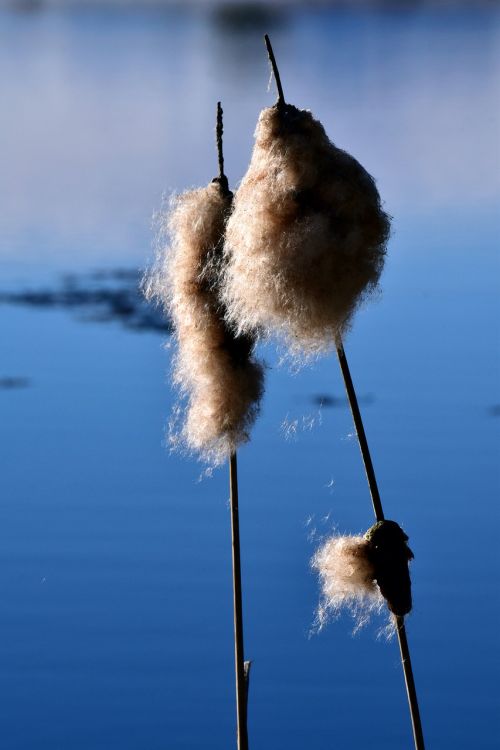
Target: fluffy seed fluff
x,y
347,578
306,241
215,369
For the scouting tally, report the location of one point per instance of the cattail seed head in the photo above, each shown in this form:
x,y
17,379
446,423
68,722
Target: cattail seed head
x,y
214,369
347,580
359,572
306,241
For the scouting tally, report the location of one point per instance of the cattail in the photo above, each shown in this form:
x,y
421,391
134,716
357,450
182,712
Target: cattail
x,y
306,241
390,555
305,246
359,572
214,368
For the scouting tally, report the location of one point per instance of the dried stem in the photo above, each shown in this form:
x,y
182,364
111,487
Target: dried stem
x,y
379,515
242,672
242,668
411,691
360,430
276,73
221,179
219,131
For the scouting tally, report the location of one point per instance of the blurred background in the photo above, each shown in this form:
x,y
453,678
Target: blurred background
x,y
115,582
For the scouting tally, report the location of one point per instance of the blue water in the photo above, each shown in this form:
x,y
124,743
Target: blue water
x,y
115,584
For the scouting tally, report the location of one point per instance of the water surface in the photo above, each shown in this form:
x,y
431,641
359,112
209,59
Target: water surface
x,y
115,578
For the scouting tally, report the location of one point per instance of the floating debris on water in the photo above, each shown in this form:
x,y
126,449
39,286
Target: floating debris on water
x,y
328,401
11,382
104,295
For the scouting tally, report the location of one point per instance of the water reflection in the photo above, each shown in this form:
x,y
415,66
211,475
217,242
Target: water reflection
x,y
103,112
243,17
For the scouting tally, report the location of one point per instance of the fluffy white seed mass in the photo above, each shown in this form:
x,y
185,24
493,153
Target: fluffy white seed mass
x,y
347,580
306,241
214,369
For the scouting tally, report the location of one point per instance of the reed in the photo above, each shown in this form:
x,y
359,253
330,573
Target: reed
x,y
411,691
215,369
305,245
242,667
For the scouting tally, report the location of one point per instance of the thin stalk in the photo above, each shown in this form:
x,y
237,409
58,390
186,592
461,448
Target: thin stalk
x,y
411,692
247,665
221,179
219,130
360,430
239,658
242,668
276,73
372,483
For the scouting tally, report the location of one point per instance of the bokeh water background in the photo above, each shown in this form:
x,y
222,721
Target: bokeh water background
x,y
115,587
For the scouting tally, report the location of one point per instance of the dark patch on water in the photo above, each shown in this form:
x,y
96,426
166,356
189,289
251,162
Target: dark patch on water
x,y
25,6
117,274
494,411
248,16
328,401
104,296
11,382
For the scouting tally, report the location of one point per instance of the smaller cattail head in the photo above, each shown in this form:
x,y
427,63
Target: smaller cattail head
x,y
346,575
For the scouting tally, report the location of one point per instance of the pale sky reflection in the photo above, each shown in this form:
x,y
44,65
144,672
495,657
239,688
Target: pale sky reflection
x,y
101,115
